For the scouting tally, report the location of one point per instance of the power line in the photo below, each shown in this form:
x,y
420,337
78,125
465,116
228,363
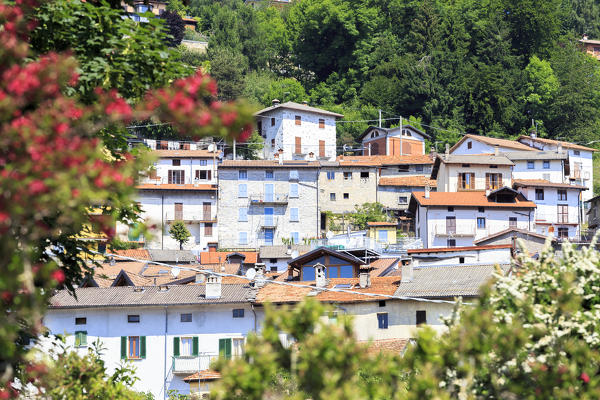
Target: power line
x,y
269,281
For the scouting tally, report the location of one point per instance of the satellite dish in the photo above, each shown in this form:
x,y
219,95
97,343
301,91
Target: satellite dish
x,y
211,148
329,235
250,273
295,254
175,272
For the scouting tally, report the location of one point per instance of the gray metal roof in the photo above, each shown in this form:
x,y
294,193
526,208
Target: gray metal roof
x,y
172,256
447,281
281,251
535,155
127,296
300,107
475,159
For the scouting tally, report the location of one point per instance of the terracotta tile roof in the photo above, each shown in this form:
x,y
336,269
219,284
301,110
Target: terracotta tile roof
x,y
467,199
140,254
288,294
381,265
170,186
111,271
216,257
172,256
204,375
384,160
184,153
410,181
299,107
545,183
268,164
381,223
224,267
388,346
454,249
556,143
281,251
511,144
518,232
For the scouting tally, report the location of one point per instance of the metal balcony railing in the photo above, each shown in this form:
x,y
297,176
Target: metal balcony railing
x,y
189,217
268,198
191,364
461,230
268,221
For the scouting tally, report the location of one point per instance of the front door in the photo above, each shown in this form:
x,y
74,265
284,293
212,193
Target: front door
x,y
268,216
269,237
206,211
178,211
269,192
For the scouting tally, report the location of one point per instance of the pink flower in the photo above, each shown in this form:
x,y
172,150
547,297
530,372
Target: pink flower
x,y
58,275
37,187
584,377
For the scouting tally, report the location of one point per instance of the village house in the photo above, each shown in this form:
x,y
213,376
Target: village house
x,y
276,258
382,232
457,219
471,255
263,203
591,46
475,144
533,242
293,131
399,141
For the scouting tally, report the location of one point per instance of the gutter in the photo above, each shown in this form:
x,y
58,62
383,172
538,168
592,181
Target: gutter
x,y
165,360
253,312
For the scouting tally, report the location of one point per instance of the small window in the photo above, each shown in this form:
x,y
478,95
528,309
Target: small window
x,y
381,303
469,145
272,121
176,163
80,321
512,222
481,209
546,164
80,339
321,123
364,175
450,209
238,313
451,243
243,175
273,260
404,168
133,319
295,236
330,175
382,320
493,166
203,163
293,190
480,223
243,214
402,199
331,196
298,120
186,317
461,260
269,174
563,233
421,317
562,194
576,152
466,165
539,194
294,174
134,347
418,168
530,164
347,176
346,196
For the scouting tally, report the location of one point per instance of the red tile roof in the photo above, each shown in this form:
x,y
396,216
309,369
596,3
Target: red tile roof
x,y
171,186
139,254
380,265
467,199
384,160
453,249
418,180
545,183
184,153
388,346
203,375
216,257
511,144
111,271
556,143
381,223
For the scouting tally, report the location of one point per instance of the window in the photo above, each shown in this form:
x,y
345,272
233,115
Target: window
x,y
133,319
481,209
269,174
308,273
493,181
203,163
330,175
176,177
466,165
208,229
176,163
346,196
480,223
466,181
563,232
242,190
298,119
294,175
404,168
493,166
186,317
185,346
461,260
451,243
321,123
381,303
80,338
133,347
421,317
382,235
347,176
238,313
293,190
450,225
298,145
576,152
237,347
142,8
295,236
243,214
546,164
563,214
272,121
469,145
331,196
243,238
294,214
364,175
418,168
402,199
229,348
242,175
512,222
539,194
80,321
382,320
450,209
562,194
530,164
203,174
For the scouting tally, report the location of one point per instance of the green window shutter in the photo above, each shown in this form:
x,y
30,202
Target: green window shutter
x,y
225,348
142,346
228,350
77,338
83,338
195,346
123,347
176,346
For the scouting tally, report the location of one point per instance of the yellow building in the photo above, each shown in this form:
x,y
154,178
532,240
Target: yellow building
x,y
382,232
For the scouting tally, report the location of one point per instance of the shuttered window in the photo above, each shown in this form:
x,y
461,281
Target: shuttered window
x,y
80,338
133,347
321,123
298,146
294,214
225,348
185,346
293,190
242,190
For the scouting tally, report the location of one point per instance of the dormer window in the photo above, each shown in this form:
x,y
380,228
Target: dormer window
x,y
469,145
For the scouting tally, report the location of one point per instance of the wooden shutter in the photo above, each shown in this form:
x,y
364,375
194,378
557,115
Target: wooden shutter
x,y
321,123
142,346
176,346
500,185
298,120
208,229
123,347
195,346
170,173
298,149
178,211
487,181
209,175
225,348
472,181
206,211
321,148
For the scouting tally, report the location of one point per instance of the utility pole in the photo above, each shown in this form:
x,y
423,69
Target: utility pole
x,y
401,135
380,118
234,149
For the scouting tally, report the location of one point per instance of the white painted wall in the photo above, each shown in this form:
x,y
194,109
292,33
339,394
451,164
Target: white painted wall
x,y
189,165
487,256
447,178
478,147
554,173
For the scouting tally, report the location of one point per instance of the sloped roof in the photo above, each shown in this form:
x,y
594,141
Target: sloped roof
x,y
172,255
139,254
111,271
517,231
172,186
125,296
299,107
485,159
281,251
455,249
388,130
184,153
319,251
511,144
567,145
408,181
388,346
381,265
535,155
384,160
268,164
545,183
467,199
216,257
447,281
381,223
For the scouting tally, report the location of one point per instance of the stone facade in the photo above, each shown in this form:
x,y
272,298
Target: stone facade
x,y
342,188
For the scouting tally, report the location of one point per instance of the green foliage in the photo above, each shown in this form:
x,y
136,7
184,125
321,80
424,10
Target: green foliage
x,y
285,89
180,233
178,7
228,68
251,148
174,28
367,212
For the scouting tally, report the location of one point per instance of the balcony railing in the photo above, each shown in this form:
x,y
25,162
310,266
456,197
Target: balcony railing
x,y
189,217
268,221
189,365
461,230
344,242
268,198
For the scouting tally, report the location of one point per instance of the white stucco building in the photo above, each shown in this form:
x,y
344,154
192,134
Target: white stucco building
x,y
475,144
297,131
264,203
399,141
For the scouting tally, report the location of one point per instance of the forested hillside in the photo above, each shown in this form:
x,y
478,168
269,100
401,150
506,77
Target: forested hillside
x,y
476,66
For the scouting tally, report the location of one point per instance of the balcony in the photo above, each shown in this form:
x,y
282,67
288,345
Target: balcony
x,y
189,217
189,364
268,198
268,221
462,230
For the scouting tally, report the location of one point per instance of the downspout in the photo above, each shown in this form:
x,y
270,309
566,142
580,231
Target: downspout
x,y
253,312
165,363
318,221
162,220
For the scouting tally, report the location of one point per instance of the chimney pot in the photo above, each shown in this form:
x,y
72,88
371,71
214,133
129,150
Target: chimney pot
x,y
447,153
496,150
213,287
275,102
407,271
320,276
427,190
364,280
200,277
305,102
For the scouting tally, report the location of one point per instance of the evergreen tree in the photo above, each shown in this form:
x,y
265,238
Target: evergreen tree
x,y
180,233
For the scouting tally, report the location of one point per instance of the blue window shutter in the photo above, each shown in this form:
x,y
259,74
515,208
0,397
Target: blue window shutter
x,y
294,214
195,346
242,190
123,347
293,190
176,346
142,346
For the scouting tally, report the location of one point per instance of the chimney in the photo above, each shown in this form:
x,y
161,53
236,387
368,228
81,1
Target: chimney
x,y
320,276
427,190
280,158
364,280
447,153
305,102
559,149
213,287
260,274
585,37
432,153
407,270
496,150
275,102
